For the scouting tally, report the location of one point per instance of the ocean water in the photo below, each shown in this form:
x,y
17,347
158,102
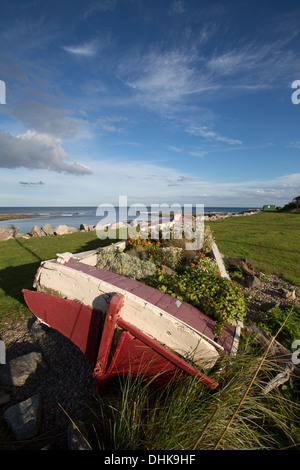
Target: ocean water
x,y
75,216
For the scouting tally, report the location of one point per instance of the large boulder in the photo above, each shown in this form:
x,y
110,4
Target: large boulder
x,y
8,231
72,230
5,234
47,229
84,227
24,418
36,231
61,230
17,371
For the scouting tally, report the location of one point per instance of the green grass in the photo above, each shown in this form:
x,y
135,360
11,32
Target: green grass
x,y
270,241
20,259
189,416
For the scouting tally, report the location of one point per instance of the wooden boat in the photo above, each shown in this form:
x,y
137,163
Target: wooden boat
x,y
124,326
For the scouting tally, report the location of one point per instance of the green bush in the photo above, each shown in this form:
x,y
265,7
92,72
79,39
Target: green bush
x,y
215,296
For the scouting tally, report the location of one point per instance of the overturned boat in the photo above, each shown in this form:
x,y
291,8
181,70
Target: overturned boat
x,y
124,326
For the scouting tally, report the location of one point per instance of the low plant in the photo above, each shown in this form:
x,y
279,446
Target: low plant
x,y
171,256
126,265
216,296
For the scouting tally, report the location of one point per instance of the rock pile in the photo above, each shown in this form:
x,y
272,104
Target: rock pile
x,y
11,231
220,216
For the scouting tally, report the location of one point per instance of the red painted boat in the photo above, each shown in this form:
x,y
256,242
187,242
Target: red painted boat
x,y
123,326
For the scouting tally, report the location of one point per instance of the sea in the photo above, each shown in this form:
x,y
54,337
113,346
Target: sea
x,y
91,215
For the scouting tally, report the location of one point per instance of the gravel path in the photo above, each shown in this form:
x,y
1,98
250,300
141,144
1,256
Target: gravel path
x,y
273,291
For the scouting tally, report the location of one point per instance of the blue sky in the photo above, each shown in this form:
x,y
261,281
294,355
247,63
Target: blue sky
x,y
177,101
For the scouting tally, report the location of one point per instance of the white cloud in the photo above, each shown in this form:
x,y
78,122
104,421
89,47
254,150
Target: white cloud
x,y
200,153
176,149
163,79
87,49
212,135
254,67
37,151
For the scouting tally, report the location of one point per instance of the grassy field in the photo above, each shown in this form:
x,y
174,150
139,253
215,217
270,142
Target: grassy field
x,y
269,240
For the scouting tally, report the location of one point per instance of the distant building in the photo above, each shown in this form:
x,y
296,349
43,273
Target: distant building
x,y
269,207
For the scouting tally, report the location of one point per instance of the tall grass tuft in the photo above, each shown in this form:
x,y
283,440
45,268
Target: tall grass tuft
x,y
188,416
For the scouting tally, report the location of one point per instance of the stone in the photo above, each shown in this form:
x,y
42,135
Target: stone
x,y
242,263
17,371
6,234
72,229
84,227
47,229
61,230
290,295
24,418
77,436
13,228
252,281
36,231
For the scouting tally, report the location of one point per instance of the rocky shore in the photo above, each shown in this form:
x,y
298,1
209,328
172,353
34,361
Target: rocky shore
x,y
12,231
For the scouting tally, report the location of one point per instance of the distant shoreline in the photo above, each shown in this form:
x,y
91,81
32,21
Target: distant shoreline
x,y
15,216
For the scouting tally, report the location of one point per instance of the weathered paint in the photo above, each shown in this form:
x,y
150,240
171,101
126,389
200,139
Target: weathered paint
x,y
135,354
78,322
218,257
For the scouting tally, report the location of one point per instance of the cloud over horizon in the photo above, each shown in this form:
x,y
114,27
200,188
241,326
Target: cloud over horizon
x,y
37,151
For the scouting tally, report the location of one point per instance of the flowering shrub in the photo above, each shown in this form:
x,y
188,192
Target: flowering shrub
x,y
139,244
205,265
